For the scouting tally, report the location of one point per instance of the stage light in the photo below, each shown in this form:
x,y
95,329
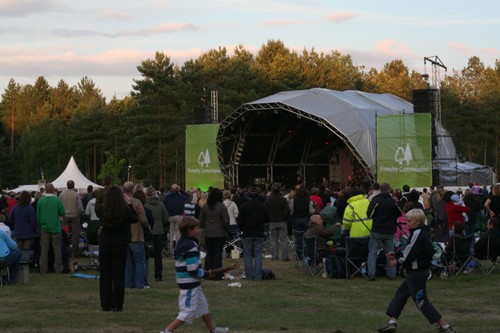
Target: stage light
x,y
289,131
327,143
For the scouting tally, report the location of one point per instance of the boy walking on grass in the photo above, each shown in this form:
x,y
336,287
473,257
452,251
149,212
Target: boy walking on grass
x,y
188,274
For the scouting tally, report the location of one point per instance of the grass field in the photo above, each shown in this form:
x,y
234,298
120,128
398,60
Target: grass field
x,y
294,302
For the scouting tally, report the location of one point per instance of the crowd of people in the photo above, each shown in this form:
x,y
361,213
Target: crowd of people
x,y
134,222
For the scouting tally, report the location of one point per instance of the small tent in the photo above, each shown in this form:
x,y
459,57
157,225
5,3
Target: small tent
x,y
70,173
73,173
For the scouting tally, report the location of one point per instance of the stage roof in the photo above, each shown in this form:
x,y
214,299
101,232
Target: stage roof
x,y
351,113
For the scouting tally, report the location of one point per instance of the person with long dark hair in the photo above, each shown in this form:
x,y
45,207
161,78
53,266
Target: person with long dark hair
x,y
116,217
214,218
23,220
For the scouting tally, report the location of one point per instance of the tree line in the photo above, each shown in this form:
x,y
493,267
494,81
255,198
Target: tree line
x,y
143,133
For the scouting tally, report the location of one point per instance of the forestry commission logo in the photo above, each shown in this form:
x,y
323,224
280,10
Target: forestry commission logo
x,y
403,155
204,159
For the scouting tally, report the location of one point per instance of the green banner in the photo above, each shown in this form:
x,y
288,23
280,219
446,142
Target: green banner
x,y
202,160
404,150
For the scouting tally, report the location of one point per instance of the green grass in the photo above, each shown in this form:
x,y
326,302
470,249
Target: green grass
x,y
294,302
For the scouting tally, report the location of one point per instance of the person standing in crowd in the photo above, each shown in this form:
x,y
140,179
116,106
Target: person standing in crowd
x,y
384,212
73,207
355,219
9,256
441,233
135,268
50,210
492,204
375,190
426,200
279,212
252,219
116,218
301,208
88,196
214,219
94,224
174,202
316,199
474,206
416,259
232,210
23,219
160,216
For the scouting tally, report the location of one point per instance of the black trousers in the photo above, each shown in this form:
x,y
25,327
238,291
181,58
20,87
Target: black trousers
x,y
214,246
158,246
112,259
414,286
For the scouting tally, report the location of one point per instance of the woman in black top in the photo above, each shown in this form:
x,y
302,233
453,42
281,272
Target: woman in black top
x,y
116,217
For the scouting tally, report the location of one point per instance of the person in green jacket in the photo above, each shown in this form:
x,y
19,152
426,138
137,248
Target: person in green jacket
x,y
49,212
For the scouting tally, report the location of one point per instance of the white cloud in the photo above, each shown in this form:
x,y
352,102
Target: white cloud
x,y
460,47
282,23
20,8
340,17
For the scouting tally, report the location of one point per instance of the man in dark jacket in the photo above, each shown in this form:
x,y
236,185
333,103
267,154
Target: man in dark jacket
x,y
489,243
251,220
384,212
279,211
174,202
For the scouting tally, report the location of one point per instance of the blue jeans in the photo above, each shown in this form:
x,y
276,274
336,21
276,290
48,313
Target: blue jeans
x,y
278,232
377,242
135,268
252,256
11,261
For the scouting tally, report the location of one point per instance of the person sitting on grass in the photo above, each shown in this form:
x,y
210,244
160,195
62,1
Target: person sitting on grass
x,y
188,273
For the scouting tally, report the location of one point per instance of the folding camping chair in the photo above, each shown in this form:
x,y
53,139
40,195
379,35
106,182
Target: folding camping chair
x,y
313,263
356,256
298,245
90,249
494,261
463,252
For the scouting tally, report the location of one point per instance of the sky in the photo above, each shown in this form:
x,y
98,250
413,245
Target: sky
x,y
106,40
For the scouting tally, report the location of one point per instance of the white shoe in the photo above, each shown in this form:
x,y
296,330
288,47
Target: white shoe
x,y
221,329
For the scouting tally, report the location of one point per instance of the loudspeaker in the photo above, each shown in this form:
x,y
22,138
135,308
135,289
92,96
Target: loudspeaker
x,y
424,101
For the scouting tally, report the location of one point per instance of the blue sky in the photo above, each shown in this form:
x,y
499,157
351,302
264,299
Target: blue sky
x,y
106,40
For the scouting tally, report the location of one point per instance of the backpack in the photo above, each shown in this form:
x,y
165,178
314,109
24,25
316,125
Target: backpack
x,y
267,274
336,267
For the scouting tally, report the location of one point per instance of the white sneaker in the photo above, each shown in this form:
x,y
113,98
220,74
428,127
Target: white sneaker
x,y
221,329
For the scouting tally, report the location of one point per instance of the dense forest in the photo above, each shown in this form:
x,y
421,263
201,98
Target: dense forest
x,y
42,126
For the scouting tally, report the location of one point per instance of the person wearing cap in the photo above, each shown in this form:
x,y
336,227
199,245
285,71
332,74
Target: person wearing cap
x,y
279,212
251,220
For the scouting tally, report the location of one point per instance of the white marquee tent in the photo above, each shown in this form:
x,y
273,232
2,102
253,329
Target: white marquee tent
x,y
70,173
